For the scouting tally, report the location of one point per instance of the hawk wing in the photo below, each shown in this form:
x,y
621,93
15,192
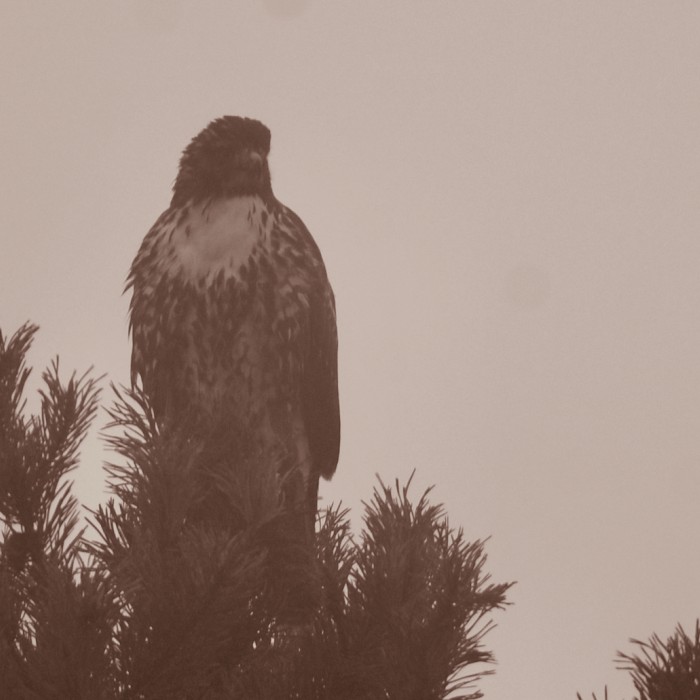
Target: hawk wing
x,y
158,322
319,382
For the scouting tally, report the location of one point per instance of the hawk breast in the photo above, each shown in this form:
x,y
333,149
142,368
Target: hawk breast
x,y
215,238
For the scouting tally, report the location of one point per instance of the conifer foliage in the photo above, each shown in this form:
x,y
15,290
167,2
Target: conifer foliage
x,y
56,615
667,670
661,670
172,590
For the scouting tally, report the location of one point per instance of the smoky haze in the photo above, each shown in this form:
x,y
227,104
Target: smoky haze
x,y
505,195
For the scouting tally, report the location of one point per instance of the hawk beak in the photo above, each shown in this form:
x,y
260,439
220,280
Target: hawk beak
x,y
253,160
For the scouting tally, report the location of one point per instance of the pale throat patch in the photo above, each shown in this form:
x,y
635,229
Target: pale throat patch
x,y
217,235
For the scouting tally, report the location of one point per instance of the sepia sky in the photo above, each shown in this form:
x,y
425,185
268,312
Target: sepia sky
x,y
506,197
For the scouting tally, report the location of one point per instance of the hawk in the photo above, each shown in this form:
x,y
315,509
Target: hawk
x,y
232,316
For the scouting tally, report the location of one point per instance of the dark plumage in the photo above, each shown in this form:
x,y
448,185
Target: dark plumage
x,y
232,316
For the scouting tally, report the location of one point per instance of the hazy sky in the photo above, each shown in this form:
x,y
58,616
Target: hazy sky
x,y
506,197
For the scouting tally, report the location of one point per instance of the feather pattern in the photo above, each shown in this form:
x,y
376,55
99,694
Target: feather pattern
x,y
232,314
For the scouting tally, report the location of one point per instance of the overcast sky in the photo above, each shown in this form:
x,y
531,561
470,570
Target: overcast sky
x,y
506,197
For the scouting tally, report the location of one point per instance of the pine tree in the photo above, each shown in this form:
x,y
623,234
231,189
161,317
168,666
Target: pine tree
x,y
154,599
661,670
667,670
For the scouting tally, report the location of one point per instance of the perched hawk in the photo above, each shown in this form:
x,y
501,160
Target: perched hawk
x,y
232,316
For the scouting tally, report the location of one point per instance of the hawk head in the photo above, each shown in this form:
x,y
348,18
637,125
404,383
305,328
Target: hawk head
x,y
226,159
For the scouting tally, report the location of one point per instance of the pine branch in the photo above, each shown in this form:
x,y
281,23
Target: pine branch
x,y
661,670
183,554
419,599
667,670
55,622
37,507
604,697
185,587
